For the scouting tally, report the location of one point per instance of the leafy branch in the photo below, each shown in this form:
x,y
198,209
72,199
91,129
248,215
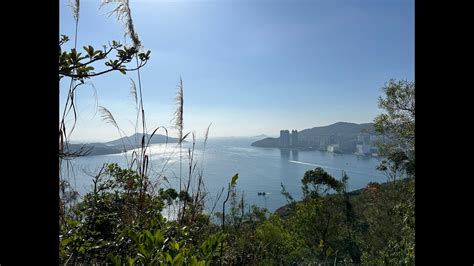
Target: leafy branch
x,y
78,66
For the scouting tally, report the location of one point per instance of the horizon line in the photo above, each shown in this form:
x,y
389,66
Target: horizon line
x,y
86,140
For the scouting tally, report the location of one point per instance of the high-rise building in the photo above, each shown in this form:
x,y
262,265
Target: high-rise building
x,y
284,138
294,138
363,149
363,138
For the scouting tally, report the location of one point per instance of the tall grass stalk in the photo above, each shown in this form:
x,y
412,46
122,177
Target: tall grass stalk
x,y
179,126
124,14
198,200
63,137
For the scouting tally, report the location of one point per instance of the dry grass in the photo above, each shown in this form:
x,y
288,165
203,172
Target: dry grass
x,y
124,14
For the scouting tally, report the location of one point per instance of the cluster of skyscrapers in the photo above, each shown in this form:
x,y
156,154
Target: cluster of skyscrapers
x,y
288,140
335,141
367,144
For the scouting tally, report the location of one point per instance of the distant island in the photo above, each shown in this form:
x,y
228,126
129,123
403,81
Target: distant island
x,y
119,145
341,137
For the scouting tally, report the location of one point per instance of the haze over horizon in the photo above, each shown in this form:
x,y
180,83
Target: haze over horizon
x,y
249,67
200,137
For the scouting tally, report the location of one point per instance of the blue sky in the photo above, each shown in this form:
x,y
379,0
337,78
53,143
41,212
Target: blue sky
x,y
249,67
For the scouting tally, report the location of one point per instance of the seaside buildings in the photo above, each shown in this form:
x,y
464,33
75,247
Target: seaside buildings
x,y
333,148
288,140
284,139
362,143
363,149
294,138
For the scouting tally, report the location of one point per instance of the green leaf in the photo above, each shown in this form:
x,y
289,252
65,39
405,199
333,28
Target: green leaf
x,y
329,252
168,257
175,245
149,235
65,241
115,259
159,237
130,261
178,258
142,251
234,179
193,261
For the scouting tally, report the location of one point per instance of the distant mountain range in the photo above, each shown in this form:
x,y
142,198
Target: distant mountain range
x,y
135,139
120,145
267,143
339,128
343,132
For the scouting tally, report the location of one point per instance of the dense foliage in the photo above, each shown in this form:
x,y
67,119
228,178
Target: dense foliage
x,y
114,223
397,124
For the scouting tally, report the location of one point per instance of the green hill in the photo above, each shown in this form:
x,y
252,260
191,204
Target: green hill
x,y
339,129
118,145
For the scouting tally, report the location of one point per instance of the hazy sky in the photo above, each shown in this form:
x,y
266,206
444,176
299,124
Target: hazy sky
x,y
249,67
